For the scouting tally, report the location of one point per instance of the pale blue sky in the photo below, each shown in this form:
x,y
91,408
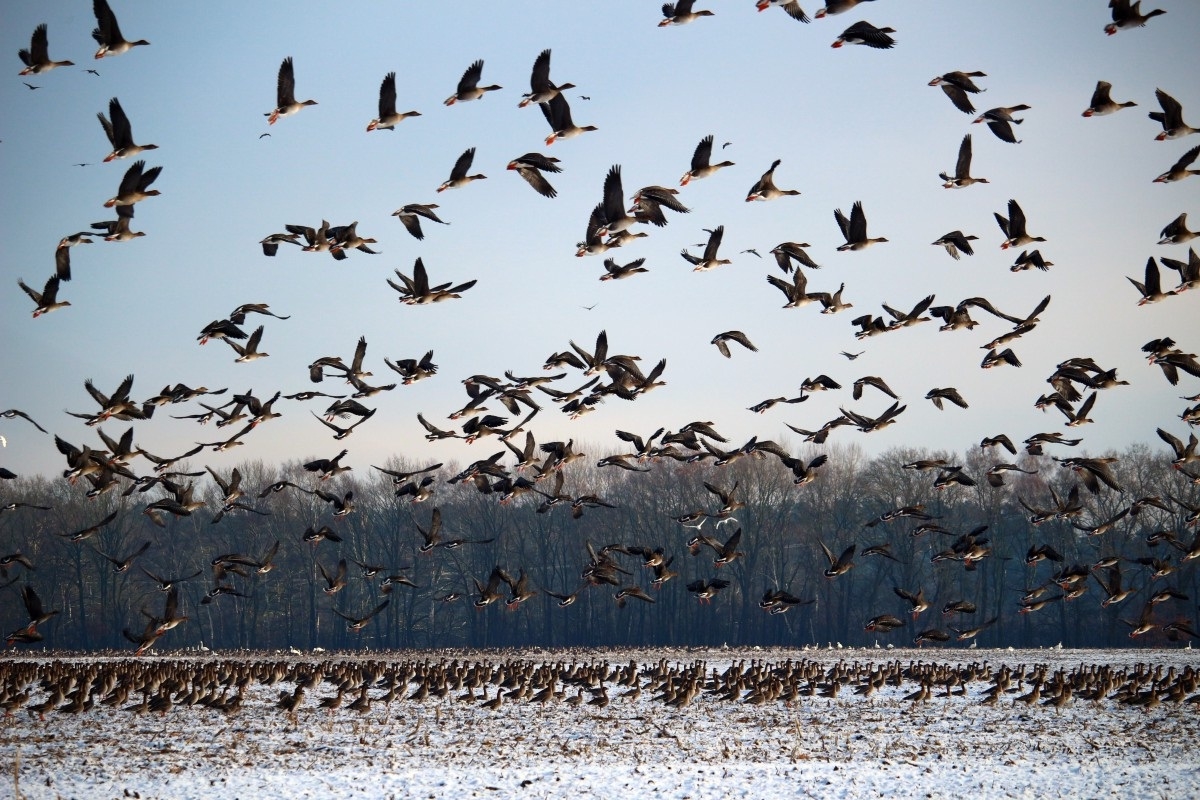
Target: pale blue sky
x,y
849,124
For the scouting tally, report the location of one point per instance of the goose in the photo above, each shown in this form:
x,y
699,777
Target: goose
x,y
1102,103
468,85
248,351
680,13
1171,118
37,57
1180,170
840,565
869,326
1176,231
1000,121
709,260
1031,259
962,169
792,7
134,185
833,304
108,34
541,88
1013,227
649,202
854,230
721,340
1127,15
120,133
949,393
794,290
458,174
837,7
530,167
388,117
117,230
615,272
787,252
764,188
616,219
702,166
1189,273
358,623
285,94
410,216
1151,286
863,32
956,242
558,114
46,300
956,85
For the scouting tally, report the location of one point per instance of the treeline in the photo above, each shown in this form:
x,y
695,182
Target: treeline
x,y
783,529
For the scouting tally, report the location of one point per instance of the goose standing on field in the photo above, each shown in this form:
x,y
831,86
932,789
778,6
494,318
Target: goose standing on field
x,y
541,88
765,189
1014,228
530,167
1102,102
120,133
1171,118
1000,121
865,33
458,175
47,300
133,188
709,260
962,169
680,13
1127,15
1180,169
37,57
855,229
792,7
108,34
701,162
956,85
388,117
285,94
468,85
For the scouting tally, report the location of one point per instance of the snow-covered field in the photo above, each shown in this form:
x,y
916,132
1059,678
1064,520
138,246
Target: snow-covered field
x,y
801,745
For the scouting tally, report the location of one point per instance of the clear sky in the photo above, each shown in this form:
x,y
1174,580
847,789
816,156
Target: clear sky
x,y
848,124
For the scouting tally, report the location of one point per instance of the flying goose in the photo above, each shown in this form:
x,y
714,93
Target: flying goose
x,y
108,34
388,117
285,94
702,166
37,57
468,85
956,85
1102,102
854,230
764,188
962,169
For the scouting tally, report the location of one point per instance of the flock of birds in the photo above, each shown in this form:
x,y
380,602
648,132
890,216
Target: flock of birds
x,y
614,222
230,686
